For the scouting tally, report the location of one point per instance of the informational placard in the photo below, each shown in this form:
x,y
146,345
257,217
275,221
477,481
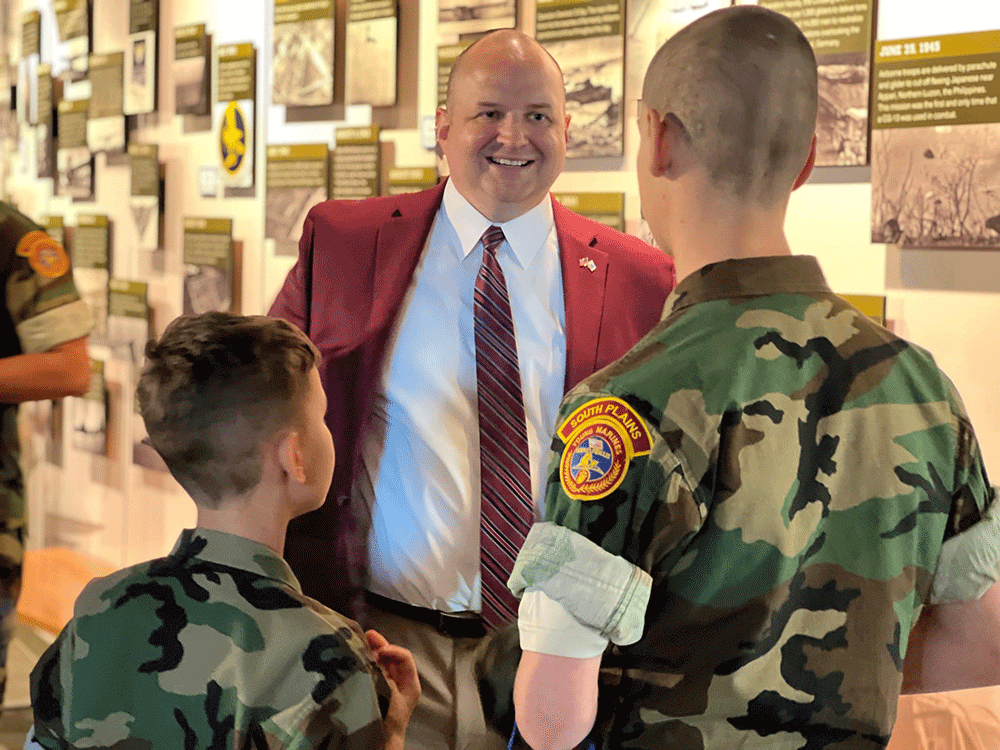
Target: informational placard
x,y
840,32
145,207
356,163
446,55
191,69
461,19
53,226
74,161
74,23
936,141
105,120
91,253
89,414
31,32
607,208
297,179
140,56
872,305
371,59
128,319
45,147
234,113
401,180
587,39
302,59
8,115
208,265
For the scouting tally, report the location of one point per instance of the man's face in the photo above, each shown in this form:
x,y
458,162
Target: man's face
x,y
505,131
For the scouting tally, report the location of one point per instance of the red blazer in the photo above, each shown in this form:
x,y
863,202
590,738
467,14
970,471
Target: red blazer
x,y
356,259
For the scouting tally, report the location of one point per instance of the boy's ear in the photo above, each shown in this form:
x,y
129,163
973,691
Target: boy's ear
x,y
290,456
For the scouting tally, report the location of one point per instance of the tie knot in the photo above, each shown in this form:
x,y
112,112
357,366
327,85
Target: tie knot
x,y
492,239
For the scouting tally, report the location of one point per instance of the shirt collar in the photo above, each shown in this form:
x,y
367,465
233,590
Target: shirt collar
x,y
748,277
525,235
235,552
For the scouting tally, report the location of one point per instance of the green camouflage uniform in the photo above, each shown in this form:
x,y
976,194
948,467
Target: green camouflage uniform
x,y
776,474
42,309
213,646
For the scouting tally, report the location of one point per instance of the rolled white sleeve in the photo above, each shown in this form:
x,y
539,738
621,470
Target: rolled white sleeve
x,y
547,627
600,590
969,563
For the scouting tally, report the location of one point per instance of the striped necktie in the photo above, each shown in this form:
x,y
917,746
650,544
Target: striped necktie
x,y
506,507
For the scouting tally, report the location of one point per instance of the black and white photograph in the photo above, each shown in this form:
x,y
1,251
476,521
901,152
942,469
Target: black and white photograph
x,y
207,288
594,71
89,414
842,118
107,134
140,73
370,66
458,18
302,63
285,211
44,151
937,187
75,173
191,70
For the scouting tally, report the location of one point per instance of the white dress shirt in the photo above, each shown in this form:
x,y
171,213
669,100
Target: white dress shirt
x,y
421,456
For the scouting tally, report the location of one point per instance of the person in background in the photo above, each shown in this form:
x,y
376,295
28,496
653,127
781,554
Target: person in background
x,y
215,645
450,324
747,514
43,355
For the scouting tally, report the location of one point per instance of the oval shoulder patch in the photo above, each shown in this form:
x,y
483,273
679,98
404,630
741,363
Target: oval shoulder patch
x,y
45,256
601,438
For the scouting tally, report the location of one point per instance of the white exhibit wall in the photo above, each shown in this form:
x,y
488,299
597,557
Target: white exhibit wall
x,y
946,301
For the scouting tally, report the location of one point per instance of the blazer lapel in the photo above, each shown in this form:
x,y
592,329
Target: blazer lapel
x,y
397,251
585,271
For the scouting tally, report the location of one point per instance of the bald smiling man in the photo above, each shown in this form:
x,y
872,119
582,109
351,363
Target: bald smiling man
x,y
781,485
450,323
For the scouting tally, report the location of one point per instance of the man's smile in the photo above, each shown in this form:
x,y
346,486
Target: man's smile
x,y
509,162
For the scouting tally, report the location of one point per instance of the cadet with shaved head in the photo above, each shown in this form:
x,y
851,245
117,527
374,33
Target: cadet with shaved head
x,y
747,513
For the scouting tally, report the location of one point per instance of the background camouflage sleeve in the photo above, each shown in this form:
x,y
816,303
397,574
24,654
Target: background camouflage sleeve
x,y
41,298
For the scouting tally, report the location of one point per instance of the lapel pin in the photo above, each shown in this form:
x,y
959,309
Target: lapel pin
x,y
588,264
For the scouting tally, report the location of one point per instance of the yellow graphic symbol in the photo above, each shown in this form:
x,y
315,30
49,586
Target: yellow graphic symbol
x,y
233,138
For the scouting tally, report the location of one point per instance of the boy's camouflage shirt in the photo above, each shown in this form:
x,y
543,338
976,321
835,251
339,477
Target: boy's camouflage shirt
x,y
786,471
213,646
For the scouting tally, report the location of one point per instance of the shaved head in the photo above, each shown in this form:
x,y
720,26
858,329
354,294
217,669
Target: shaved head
x,y
742,83
502,43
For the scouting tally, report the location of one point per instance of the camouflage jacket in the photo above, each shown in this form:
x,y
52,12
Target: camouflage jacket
x,y
213,646
41,309
779,473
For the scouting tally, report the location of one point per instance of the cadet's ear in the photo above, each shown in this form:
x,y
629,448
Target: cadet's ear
x,y
808,168
290,456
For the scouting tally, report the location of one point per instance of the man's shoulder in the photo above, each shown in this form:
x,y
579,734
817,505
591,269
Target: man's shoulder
x,y
629,251
370,211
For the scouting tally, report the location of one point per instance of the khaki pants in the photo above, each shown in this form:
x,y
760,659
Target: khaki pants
x,y
449,715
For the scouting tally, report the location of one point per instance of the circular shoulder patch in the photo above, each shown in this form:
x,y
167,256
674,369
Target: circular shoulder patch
x,y
45,256
601,438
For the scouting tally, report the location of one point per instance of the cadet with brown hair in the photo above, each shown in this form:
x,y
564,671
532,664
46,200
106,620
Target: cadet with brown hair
x,y
215,645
